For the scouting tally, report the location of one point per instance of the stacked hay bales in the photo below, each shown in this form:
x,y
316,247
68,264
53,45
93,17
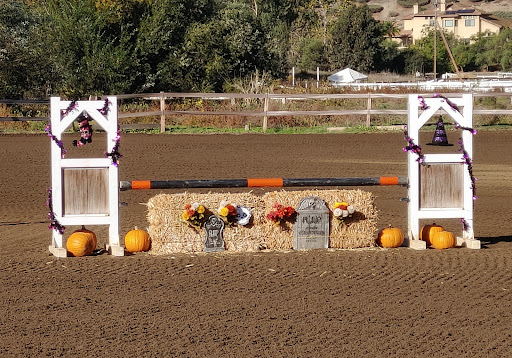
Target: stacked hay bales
x,y
170,235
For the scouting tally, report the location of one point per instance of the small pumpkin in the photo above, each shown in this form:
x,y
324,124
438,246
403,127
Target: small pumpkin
x,y
428,231
81,242
390,237
443,240
137,240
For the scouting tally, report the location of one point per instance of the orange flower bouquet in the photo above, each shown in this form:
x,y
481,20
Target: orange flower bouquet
x,y
281,213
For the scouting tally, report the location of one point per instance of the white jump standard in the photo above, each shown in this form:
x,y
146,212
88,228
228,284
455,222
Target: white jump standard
x,y
84,191
441,185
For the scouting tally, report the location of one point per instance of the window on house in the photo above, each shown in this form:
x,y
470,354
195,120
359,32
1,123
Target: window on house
x,y
448,23
456,23
431,23
469,22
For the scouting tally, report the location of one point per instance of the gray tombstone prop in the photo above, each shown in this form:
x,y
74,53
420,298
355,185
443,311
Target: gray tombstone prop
x,y
311,228
214,228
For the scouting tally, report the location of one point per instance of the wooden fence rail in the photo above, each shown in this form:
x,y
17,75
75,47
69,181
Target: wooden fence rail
x,y
265,98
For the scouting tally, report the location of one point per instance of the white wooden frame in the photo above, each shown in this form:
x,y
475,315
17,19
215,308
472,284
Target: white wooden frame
x,y
59,124
416,120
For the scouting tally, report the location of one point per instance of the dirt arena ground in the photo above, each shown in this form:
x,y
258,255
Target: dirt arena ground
x,y
322,303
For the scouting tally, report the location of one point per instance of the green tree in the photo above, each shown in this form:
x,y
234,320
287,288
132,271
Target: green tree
x,y
310,54
356,39
86,55
421,57
229,46
161,38
23,72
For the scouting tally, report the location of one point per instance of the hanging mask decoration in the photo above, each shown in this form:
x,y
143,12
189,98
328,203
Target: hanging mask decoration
x,y
85,131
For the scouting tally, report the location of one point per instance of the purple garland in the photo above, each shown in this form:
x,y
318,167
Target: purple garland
x,y
54,223
450,103
472,130
105,108
465,225
57,141
469,163
423,105
413,147
72,106
114,154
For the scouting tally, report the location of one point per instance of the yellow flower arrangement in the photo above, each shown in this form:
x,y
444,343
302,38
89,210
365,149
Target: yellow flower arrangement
x,y
193,214
342,210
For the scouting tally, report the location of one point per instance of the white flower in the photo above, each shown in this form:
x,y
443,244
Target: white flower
x,y
337,212
351,209
345,213
194,206
223,203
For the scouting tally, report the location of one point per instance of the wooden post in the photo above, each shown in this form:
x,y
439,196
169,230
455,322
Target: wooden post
x,y
265,117
369,109
162,109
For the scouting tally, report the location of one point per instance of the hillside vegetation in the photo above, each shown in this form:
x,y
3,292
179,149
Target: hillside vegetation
x,y
78,48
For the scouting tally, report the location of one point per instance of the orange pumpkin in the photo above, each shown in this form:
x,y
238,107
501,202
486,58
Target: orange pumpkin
x,y
137,240
428,231
390,237
81,242
443,240
94,238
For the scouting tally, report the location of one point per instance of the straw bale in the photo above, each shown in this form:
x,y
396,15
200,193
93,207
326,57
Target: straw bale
x,y
169,234
356,232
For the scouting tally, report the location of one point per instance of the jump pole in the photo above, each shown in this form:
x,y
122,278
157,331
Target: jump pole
x,y
260,183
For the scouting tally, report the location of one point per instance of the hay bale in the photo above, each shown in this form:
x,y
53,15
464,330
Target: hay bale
x,y
358,231
170,235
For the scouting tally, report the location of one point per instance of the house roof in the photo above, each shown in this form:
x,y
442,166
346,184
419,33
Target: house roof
x,y
452,10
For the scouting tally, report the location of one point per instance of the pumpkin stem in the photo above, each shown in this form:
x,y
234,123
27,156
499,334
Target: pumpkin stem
x,y
83,227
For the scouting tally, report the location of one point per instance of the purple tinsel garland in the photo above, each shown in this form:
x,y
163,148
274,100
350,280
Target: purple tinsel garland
x,y
57,141
114,154
54,223
413,147
450,103
469,163
423,105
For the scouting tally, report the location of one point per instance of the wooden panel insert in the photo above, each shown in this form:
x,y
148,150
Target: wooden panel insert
x,y
85,191
442,186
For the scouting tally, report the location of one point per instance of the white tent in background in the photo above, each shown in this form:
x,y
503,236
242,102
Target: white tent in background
x,y
347,75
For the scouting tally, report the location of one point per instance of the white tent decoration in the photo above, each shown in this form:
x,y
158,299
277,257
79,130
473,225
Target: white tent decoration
x,y
347,75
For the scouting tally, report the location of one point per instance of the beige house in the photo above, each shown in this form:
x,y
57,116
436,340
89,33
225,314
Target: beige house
x,y
458,18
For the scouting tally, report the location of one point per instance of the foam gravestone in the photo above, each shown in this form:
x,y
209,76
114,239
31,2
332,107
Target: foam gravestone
x,y
137,240
81,242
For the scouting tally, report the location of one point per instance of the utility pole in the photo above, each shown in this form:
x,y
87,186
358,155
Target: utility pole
x,y
435,40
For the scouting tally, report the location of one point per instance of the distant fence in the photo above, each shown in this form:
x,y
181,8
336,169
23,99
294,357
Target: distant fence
x,y
264,110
